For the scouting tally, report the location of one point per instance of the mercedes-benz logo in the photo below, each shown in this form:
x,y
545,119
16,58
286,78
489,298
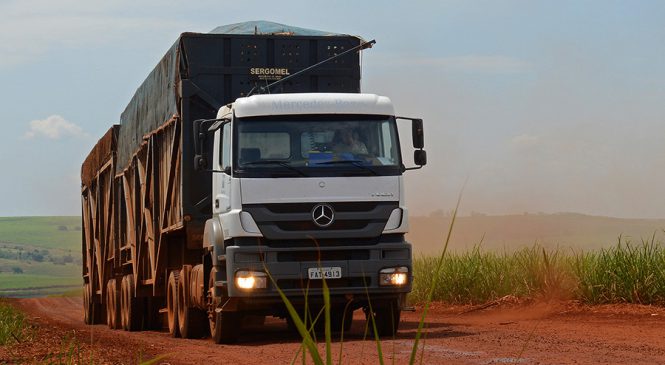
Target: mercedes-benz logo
x,y
323,215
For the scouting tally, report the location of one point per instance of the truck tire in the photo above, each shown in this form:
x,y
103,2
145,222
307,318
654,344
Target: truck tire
x,y
386,316
223,326
112,305
172,303
191,321
226,327
130,306
91,310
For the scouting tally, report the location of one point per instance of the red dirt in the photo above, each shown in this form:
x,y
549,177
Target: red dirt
x,y
540,333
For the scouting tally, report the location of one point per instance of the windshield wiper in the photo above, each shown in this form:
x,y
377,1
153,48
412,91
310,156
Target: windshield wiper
x,y
356,163
275,162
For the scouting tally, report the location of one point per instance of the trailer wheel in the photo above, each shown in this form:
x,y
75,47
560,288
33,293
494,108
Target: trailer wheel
x,y
91,310
130,305
87,308
386,316
172,303
190,320
112,305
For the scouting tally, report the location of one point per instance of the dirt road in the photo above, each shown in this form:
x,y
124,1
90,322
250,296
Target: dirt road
x,y
541,333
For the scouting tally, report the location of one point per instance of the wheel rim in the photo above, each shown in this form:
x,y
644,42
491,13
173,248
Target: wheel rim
x,y
182,305
86,303
124,304
113,293
212,318
171,303
109,320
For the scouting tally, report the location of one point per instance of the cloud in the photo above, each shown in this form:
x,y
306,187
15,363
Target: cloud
x,y
54,127
525,140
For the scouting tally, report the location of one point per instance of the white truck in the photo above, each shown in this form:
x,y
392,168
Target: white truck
x,y
246,164
294,203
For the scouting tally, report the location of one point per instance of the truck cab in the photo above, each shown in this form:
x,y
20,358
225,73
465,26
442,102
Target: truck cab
x,y
307,188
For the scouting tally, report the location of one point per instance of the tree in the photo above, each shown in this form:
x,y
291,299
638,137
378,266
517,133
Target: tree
x,y
17,270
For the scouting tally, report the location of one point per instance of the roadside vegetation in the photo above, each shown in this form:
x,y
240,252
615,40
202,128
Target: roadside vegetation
x,y
39,255
13,325
624,273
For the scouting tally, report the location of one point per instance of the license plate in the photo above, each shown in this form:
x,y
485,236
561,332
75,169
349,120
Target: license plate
x,y
325,272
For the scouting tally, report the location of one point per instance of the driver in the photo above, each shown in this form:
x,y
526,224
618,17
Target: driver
x,y
346,142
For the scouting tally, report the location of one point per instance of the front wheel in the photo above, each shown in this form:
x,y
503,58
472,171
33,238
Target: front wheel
x,y
224,328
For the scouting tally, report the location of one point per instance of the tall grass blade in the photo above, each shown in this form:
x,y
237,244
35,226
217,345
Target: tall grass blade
x,y
309,343
435,281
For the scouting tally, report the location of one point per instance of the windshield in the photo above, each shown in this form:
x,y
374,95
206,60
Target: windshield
x,y
317,146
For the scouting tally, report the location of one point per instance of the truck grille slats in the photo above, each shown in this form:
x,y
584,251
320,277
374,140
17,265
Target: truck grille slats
x,y
294,220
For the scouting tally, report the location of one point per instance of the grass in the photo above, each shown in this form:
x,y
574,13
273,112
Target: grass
x,y
625,273
39,252
13,325
26,281
42,232
308,335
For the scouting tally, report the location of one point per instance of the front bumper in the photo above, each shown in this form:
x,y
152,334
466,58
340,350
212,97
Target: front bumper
x,y
288,270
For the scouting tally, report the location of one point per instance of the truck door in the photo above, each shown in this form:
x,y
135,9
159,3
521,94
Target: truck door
x,y
222,180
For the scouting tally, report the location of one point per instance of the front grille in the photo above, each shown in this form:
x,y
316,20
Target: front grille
x,y
316,243
284,208
293,221
310,226
300,256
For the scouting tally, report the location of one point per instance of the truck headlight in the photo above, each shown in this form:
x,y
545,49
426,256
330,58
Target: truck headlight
x,y
251,280
394,276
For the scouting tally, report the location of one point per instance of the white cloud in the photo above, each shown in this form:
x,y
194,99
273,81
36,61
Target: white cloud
x,y
525,140
54,127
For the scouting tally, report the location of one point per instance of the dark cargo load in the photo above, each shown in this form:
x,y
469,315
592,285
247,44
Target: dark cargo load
x,y
202,72
99,156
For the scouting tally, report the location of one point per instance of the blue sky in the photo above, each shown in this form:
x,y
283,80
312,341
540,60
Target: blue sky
x,y
543,106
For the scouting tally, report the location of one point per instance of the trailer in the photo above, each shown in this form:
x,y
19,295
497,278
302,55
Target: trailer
x,y
159,242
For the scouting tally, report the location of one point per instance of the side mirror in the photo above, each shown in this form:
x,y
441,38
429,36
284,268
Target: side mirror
x,y
200,161
417,133
200,134
420,157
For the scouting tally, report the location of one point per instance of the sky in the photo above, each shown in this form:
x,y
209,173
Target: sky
x,y
529,106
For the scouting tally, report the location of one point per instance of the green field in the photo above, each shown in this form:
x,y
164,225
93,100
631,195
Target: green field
x,y
623,273
56,233
39,255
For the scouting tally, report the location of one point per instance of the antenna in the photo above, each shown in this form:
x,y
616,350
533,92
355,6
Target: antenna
x,y
266,88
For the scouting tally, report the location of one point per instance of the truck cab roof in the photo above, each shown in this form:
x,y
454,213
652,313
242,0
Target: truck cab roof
x,y
309,103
